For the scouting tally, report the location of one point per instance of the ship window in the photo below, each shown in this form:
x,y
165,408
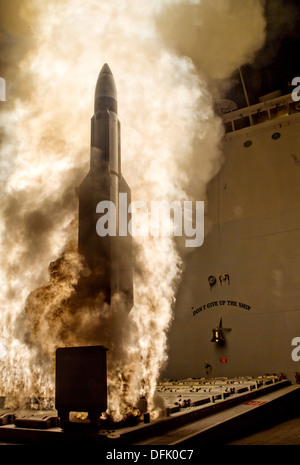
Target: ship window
x,y
276,135
228,127
247,143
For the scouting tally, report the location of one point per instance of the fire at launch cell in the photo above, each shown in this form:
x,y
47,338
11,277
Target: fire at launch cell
x,y
108,259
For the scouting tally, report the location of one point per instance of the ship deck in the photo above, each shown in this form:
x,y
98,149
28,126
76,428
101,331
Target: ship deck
x,y
197,411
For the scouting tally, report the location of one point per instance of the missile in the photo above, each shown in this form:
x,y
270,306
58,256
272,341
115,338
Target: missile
x,y
108,266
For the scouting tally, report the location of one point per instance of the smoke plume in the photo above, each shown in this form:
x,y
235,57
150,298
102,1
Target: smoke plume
x,y
218,36
167,57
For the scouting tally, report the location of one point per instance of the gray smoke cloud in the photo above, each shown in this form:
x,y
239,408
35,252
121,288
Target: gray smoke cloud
x,y
218,36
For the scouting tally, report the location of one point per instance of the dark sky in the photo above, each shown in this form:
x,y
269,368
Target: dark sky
x,y
279,60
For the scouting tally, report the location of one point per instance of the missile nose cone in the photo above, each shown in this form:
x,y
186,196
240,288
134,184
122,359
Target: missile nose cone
x,y
105,69
106,91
